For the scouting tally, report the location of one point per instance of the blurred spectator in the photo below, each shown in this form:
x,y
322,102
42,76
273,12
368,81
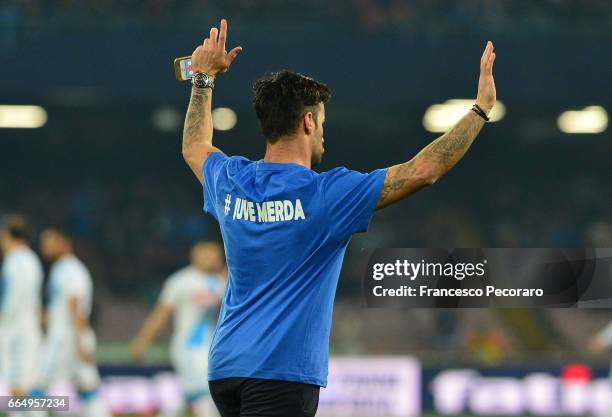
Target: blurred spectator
x,y
433,16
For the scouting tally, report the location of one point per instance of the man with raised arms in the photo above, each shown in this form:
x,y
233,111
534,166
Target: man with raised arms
x,y
269,354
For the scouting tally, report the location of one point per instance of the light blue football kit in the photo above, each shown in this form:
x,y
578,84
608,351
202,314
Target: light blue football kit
x,y
21,278
285,229
189,291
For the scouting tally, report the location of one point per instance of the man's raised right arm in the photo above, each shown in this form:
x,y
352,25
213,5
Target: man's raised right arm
x,y
197,132
437,158
211,59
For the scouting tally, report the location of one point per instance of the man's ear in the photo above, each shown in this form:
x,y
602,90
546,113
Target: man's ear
x,y
309,123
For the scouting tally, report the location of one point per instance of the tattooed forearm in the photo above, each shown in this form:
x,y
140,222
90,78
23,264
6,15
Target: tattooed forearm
x,y
198,123
198,131
431,163
447,150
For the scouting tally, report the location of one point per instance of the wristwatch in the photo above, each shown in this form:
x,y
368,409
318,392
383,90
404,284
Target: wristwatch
x,y
202,80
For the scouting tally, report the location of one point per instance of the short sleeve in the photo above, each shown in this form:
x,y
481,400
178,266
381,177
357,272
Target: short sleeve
x,y
77,283
210,172
350,198
169,294
22,274
18,283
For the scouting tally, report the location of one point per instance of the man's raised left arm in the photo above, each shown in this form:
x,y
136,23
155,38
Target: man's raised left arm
x,y
437,158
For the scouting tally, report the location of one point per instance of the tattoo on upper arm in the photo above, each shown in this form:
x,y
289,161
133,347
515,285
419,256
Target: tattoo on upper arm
x,y
195,118
396,179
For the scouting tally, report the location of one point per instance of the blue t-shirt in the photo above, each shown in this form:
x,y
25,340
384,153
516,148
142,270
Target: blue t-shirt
x,y
285,229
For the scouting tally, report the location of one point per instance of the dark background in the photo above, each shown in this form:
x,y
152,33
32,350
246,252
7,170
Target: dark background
x,y
103,70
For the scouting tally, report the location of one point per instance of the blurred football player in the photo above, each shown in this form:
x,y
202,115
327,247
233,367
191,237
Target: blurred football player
x,y
602,341
192,295
71,343
598,344
20,295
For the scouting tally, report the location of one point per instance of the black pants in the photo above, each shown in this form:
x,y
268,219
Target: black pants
x,y
254,397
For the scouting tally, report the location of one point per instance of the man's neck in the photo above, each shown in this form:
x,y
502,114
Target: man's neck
x,y
14,246
65,254
204,270
289,150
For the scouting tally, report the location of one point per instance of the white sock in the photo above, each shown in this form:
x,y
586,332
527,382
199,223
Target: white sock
x,y
178,411
205,407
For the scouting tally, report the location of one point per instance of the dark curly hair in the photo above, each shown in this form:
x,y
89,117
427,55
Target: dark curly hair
x,y
16,226
282,99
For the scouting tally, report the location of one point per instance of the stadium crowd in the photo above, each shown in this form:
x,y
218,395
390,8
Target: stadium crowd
x,y
426,15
